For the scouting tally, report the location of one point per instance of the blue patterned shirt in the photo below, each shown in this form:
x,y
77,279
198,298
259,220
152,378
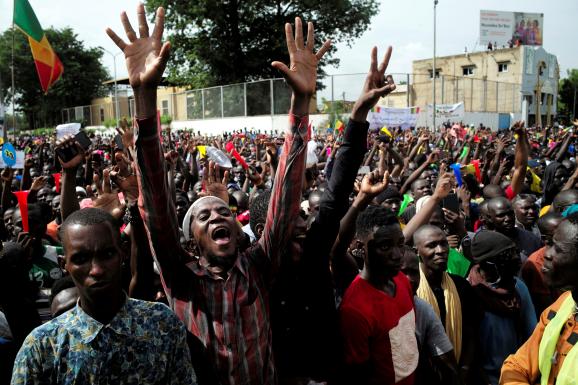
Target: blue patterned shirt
x,y
145,343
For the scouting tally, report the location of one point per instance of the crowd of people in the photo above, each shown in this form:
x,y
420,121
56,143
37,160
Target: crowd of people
x,y
413,256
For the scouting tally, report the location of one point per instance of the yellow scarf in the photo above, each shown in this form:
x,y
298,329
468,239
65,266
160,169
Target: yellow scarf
x,y
453,321
569,371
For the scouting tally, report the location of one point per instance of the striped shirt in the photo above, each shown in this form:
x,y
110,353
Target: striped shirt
x,y
230,317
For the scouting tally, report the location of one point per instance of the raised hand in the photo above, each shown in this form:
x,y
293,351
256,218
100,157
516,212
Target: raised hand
x,y
254,176
126,133
146,59
146,56
518,127
444,186
372,185
38,183
374,182
433,156
128,185
70,145
376,86
301,75
213,185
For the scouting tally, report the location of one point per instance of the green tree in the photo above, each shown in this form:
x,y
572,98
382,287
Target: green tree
x,y
81,81
216,42
567,94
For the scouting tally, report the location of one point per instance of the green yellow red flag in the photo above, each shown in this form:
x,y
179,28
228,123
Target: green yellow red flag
x,y
48,65
339,126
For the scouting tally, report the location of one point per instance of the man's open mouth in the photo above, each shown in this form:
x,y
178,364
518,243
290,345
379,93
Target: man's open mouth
x,y
221,235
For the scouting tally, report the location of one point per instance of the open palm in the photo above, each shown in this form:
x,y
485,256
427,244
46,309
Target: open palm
x,y
301,75
146,56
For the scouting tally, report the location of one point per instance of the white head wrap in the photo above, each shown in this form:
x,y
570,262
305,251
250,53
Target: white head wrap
x,y
187,219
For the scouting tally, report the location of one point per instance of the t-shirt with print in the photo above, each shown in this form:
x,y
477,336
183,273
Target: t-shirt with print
x,y
380,330
45,269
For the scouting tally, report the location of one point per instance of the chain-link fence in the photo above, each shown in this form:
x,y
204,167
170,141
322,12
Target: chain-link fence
x,y
336,93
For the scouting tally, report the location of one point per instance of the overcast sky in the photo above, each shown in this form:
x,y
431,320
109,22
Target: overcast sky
x,y
406,25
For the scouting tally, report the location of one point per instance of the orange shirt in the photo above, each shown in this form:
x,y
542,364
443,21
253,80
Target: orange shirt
x,y
522,367
52,231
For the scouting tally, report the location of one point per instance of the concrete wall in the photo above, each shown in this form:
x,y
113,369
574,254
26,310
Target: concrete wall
x,y
488,119
265,124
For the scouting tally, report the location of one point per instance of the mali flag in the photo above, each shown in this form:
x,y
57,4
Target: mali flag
x,y
48,65
339,127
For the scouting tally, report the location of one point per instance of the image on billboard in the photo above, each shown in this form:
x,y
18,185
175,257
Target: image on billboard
x,y
511,28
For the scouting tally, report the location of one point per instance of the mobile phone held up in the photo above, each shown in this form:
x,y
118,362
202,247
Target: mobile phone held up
x,y
452,203
66,154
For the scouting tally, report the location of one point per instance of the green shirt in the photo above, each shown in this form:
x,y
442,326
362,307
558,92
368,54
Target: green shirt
x,y
458,264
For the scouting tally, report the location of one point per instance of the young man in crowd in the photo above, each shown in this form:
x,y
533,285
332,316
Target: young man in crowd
x,y
550,356
451,296
531,271
509,315
437,361
501,218
107,336
376,314
223,296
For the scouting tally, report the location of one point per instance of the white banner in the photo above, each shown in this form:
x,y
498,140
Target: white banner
x,y
447,111
393,117
67,129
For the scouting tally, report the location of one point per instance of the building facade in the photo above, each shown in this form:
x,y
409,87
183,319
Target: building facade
x,y
522,80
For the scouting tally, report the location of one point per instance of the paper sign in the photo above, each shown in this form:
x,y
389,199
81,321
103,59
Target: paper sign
x,y
20,157
67,129
8,154
447,111
393,117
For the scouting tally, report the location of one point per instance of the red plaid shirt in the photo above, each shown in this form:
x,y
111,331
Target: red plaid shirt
x,y
229,316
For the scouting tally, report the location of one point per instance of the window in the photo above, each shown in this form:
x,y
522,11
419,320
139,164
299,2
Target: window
x,y
437,73
101,114
165,107
503,67
468,70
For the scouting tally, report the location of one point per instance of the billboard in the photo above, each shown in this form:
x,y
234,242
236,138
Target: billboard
x,y
511,28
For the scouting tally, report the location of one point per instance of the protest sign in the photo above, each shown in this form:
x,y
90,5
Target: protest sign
x,y
18,163
67,129
447,111
393,117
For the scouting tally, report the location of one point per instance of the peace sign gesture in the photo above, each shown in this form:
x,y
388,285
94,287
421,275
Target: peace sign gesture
x,y
377,85
301,75
146,56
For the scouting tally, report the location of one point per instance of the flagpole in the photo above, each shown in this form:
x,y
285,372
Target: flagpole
x,y
13,89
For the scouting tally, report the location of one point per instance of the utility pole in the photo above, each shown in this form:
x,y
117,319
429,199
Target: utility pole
x,y
434,66
574,104
116,110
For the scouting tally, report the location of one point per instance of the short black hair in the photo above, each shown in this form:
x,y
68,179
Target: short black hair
x,y
415,182
372,217
545,220
41,210
258,210
88,217
59,285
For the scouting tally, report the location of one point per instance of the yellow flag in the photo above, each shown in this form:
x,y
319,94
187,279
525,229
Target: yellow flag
x,y
202,151
385,131
536,182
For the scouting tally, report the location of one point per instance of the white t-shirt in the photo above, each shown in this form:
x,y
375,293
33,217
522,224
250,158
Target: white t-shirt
x,y
429,330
